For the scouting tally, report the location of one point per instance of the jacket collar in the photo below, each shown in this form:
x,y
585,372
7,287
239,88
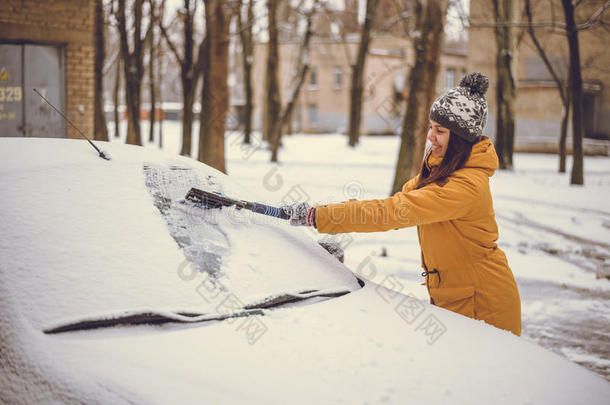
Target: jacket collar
x,y
483,157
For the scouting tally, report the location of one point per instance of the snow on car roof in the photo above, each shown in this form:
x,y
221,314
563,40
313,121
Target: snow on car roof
x,y
81,235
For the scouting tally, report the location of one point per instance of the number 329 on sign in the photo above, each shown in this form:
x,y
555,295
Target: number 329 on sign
x,y
8,94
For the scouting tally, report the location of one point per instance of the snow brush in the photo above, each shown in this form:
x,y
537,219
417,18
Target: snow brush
x,y
214,200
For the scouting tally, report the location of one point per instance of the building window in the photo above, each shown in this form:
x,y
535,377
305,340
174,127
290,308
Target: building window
x,y
449,79
337,78
313,78
313,115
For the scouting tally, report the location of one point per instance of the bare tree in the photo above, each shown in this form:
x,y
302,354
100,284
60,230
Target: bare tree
x,y
357,86
247,46
190,70
160,57
301,72
570,29
215,94
273,102
133,68
100,131
151,70
561,87
115,96
504,11
430,20
577,176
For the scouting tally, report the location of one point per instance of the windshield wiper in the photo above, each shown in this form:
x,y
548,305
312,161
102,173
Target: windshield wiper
x,y
160,317
143,317
286,298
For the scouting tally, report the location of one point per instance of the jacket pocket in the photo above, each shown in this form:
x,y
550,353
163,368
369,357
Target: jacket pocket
x,y
458,299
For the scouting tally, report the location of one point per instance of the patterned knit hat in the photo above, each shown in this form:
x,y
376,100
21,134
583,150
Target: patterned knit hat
x,y
463,109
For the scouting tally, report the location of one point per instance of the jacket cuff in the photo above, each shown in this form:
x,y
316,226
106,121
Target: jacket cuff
x,y
311,217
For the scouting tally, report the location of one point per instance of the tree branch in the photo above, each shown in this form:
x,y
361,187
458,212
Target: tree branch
x,y
171,45
462,14
513,24
331,13
594,18
590,23
201,59
111,61
543,55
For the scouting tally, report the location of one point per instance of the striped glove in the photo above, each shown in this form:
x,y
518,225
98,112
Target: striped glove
x,y
301,214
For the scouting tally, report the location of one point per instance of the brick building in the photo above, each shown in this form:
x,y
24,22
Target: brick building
x,y
47,45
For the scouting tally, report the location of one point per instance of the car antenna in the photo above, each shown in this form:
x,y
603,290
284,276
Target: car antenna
x,y
102,154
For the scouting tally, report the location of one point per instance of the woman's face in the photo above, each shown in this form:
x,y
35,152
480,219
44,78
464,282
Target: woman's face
x,y
439,137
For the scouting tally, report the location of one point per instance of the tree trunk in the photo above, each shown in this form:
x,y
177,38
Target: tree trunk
x,y
188,95
303,67
422,89
215,94
133,68
289,128
186,76
245,33
151,73
577,176
159,87
273,90
115,97
265,112
505,86
564,135
357,88
100,131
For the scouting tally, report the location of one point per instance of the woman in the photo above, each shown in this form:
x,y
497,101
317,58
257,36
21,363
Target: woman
x,y
450,203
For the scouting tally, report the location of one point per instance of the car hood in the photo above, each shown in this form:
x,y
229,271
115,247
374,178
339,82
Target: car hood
x,y
370,346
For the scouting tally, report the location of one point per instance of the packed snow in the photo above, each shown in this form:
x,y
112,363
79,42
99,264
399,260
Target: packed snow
x,y
83,238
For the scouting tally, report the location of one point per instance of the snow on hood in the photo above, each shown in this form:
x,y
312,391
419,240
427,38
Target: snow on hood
x,y
354,349
81,235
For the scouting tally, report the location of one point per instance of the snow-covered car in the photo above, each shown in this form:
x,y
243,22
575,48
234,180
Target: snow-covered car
x,y
112,291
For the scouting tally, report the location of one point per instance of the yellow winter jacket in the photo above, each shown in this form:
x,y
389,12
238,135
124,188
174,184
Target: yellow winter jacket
x,y
466,272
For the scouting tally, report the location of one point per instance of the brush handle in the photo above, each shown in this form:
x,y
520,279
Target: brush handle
x,y
213,200
270,211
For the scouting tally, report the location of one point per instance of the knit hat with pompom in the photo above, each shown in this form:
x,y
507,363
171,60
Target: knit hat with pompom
x,y
463,109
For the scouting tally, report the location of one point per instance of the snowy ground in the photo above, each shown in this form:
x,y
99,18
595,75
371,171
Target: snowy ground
x,y
556,237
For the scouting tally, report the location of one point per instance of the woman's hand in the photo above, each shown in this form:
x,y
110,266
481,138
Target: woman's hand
x,y
301,214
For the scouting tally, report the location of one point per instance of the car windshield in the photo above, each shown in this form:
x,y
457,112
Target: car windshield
x,y
235,250
87,236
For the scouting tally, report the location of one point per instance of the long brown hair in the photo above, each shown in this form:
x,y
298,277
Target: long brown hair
x,y
456,155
